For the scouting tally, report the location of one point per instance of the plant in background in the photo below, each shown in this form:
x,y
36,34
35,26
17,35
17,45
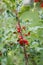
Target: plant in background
x,y
20,38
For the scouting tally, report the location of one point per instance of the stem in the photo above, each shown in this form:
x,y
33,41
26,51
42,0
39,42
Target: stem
x,y
25,54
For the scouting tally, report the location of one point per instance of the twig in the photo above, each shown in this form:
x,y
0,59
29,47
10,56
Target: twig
x,y
26,57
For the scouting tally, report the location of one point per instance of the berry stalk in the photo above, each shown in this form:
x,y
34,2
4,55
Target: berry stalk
x,y
25,54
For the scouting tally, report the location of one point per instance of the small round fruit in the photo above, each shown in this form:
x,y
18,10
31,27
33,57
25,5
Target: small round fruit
x,y
20,37
41,5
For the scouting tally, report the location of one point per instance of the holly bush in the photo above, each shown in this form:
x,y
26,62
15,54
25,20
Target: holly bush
x,y
21,32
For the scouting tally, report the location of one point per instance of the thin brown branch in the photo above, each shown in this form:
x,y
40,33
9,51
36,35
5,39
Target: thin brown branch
x,y
25,54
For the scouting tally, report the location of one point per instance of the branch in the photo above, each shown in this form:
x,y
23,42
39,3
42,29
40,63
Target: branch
x,y
26,57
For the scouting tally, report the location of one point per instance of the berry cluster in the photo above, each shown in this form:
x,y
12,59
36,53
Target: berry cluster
x,y
21,40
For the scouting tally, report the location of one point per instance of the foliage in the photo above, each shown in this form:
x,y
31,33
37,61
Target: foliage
x,y
11,52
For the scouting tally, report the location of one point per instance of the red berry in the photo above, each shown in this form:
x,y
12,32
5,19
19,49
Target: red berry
x,y
25,34
41,5
23,41
20,37
18,29
36,0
